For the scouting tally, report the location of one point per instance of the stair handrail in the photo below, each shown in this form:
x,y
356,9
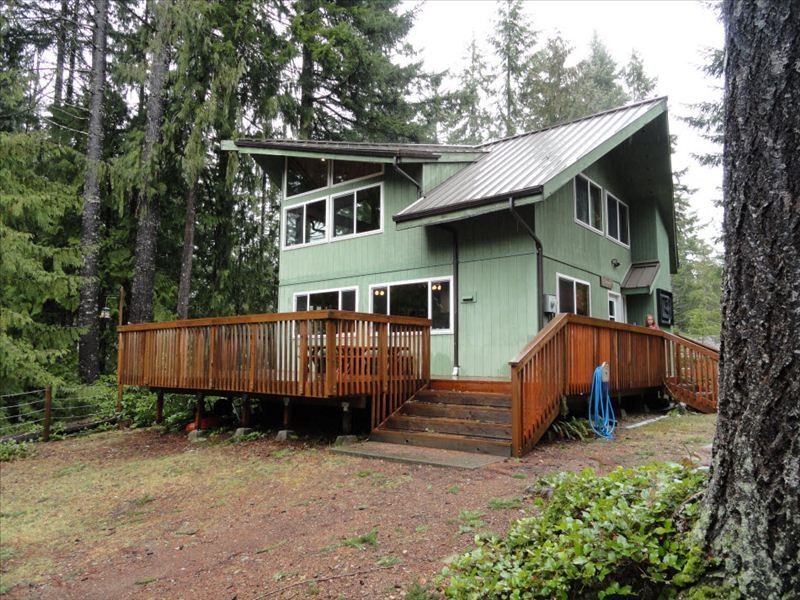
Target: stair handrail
x,y
691,364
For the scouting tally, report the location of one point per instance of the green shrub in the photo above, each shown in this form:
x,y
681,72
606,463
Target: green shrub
x,y
628,533
12,450
571,428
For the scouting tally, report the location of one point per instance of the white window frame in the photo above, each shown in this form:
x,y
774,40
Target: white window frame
x,y
619,222
574,280
621,304
591,182
326,291
329,185
329,237
429,280
336,238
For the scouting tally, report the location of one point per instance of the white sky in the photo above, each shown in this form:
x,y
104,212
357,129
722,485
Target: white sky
x,y
669,35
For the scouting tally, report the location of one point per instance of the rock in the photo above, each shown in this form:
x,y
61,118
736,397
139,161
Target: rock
x,y
345,440
241,432
198,435
284,435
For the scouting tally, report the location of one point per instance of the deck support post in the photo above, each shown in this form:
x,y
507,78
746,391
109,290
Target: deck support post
x,y
199,410
246,410
159,407
347,419
287,412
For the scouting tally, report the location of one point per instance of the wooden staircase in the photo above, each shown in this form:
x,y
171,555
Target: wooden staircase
x,y
467,415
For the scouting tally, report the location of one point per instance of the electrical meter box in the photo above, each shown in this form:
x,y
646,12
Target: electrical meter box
x,y
550,303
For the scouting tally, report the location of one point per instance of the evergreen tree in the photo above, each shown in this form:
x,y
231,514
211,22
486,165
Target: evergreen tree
x,y
549,87
598,85
468,121
638,86
708,116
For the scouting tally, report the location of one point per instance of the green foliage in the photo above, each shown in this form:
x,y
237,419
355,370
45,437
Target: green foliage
x,y
362,541
627,533
572,428
12,450
504,503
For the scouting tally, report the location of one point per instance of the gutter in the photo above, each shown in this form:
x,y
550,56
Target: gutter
x,y
539,259
455,296
399,171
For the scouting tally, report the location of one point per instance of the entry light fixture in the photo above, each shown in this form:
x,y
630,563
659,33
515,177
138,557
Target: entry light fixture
x,y
614,263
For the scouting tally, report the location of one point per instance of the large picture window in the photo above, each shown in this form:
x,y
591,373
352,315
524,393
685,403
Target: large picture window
x,y
357,212
306,224
618,222
428,299
348,170
334,299
588,203
305,174
574,295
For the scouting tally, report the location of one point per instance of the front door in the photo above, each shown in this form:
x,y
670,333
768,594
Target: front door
x,y
616,308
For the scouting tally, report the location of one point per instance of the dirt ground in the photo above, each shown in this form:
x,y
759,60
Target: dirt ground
x,y
140,514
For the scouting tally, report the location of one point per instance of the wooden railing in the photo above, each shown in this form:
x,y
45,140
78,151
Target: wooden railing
x,y
561,360
318,354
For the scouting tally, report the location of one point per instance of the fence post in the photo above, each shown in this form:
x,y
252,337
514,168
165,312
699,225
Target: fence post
x,y
48,402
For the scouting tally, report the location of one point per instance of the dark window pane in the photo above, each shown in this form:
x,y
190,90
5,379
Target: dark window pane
x,y
623,224
581,199
566,299
348,300
305,174
301,302
345,170
581,298
612,310
315,221
440,304
323,301
379,300
613,221
597,206
368,209
343,215
409,300
294,226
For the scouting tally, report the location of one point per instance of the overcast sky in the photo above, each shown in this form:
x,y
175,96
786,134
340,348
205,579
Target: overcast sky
x,y
669,35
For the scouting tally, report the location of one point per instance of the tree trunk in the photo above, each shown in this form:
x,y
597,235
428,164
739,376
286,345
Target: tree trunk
x,y
61,44
306,94
88,318
753,501
184,286
147,205
69,95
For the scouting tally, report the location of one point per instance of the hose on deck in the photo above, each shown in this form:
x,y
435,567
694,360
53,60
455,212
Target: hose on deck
x,y
601,412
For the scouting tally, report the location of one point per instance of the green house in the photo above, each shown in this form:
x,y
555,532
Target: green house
x,y
490,241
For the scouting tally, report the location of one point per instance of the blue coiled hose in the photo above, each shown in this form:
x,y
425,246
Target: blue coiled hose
x,y
601,412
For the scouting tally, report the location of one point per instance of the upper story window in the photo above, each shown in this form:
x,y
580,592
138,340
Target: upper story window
x,y
428,299
588,203
335,299
306,223
618,221
357,212
308,174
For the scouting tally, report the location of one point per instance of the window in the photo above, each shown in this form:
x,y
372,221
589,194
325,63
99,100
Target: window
x,y
336,299
573,295
588,203
616,308
357,212
428,299
347,170
305,174
306,224
618,225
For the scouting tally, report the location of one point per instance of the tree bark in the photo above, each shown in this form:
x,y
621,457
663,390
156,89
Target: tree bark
x,y
69,94
88,317
306,121
752,518
184,286
61,44
147,204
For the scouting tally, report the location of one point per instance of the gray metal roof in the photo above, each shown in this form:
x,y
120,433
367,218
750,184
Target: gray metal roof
x,y
521,165
385,150
641,275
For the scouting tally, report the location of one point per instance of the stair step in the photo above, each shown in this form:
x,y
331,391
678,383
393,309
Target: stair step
x,y
443,440
489,386
467,427
488,414
471,398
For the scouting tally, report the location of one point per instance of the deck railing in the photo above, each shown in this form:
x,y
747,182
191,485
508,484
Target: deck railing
x,y
319,354
561,359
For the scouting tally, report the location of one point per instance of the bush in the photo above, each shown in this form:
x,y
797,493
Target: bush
x,y
12,450
628,533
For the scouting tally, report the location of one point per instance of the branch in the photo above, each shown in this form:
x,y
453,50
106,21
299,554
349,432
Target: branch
x,y
320,579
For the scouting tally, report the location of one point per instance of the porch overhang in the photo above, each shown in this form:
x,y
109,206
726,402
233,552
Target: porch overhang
x,y
474,209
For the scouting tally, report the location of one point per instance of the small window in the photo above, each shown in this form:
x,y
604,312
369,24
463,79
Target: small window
x,y
343,299
294,226
357,212
573,296
618,226
380,300
347,170
306,224
409,300
348,300
426,299
588,203
305,174
440,304
315,221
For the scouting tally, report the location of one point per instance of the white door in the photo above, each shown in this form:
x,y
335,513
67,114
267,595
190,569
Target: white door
x,y
616,308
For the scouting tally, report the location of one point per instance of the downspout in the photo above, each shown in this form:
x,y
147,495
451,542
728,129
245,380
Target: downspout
x,y
399,171
454,291
539,259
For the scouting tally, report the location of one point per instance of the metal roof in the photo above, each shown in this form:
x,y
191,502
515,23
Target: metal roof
x,y
384,150
522,164
641,275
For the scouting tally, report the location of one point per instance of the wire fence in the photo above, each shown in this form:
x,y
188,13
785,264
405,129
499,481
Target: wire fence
x,y
42,413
